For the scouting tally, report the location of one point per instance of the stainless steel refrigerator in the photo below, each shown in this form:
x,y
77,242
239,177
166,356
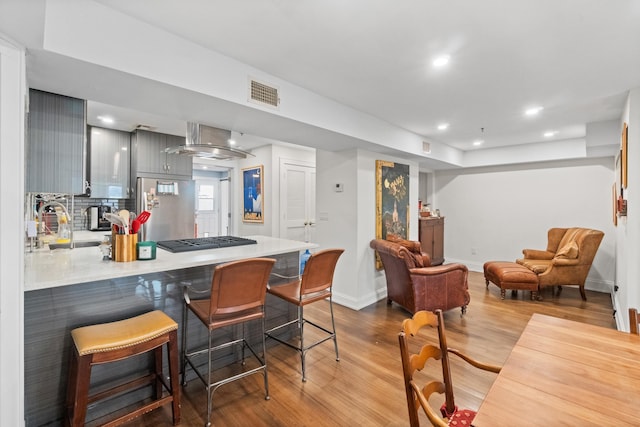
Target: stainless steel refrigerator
x,y
172,207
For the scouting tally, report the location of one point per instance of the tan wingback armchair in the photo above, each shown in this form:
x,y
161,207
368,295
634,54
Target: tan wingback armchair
x,y
414,284
568,258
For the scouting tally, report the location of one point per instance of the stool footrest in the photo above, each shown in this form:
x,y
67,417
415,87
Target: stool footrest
x,y
124,387
138,412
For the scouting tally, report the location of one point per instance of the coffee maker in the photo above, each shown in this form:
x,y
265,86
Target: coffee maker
x,y
96,221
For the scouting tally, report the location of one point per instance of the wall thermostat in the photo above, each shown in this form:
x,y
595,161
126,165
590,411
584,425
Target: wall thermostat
x,y
339,188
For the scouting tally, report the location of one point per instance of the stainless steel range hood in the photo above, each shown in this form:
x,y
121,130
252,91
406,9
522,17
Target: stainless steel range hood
x,y
208,142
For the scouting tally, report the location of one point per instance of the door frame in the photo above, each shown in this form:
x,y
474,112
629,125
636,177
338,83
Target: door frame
x,y
284,162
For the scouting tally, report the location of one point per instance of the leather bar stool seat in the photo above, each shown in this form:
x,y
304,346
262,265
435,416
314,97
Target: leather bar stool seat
x,y
110,342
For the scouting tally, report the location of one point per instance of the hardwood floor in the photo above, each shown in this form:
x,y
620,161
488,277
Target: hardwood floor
x,y
366,386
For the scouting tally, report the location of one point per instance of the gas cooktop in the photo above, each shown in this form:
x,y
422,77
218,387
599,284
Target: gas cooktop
x,y
201,243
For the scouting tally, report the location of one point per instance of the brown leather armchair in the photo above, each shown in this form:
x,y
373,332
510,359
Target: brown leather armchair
x,y
567,259
414,284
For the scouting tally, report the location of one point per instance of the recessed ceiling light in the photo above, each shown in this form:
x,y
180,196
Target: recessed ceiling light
x,y
105,119
443,126
441,61
231,141
550,133
532,111
204,167
478,142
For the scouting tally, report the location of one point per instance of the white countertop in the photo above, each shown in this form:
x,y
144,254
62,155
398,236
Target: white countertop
x,y
49,269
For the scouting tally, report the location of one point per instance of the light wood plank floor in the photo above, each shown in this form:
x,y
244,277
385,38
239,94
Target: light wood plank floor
x,y
366,387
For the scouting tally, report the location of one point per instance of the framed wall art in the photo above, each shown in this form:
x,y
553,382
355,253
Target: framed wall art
x,y
625,132
253,194
392,201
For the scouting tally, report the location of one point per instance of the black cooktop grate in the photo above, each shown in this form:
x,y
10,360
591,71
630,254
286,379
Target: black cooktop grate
x,y
202,243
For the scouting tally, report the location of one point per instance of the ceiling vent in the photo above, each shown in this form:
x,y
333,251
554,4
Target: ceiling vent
x,y
208,142
263,94
426,147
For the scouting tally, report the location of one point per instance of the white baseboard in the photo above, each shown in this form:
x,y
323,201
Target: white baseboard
x,y
360,303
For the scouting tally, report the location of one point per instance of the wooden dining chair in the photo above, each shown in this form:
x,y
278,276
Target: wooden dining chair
x,y
418,396
633,321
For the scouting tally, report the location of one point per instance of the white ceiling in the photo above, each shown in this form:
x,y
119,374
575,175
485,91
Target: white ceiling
x,y
576,58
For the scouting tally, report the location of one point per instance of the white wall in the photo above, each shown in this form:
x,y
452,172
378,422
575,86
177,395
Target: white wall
x,y
12,90
262,157
499,211
628,230
351,221
269,156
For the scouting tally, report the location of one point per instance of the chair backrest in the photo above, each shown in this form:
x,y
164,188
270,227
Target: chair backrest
x,y
240,285
397,260
586,239
633,321
415,361
318,272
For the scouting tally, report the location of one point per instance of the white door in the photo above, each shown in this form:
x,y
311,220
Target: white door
x,y
207,207
297,200
225,207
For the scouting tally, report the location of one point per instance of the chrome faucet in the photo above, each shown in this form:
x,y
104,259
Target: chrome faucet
x,y
41,223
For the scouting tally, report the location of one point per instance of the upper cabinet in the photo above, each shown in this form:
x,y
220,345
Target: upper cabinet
x,y
109,163
55,148
150,159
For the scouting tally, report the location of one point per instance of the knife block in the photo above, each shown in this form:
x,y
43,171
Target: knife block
x,y
124,247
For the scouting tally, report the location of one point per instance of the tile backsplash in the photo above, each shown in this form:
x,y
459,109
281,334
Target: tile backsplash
x,y
81,217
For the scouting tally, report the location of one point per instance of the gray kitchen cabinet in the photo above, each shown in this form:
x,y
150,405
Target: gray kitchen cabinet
x,y
56,143
109,153
149,158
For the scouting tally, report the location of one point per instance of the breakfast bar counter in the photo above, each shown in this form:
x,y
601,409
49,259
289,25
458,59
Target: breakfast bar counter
x,y
52,268
69,288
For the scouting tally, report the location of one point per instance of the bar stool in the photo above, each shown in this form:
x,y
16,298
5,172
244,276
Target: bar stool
x,y
315,285
238,291
110,342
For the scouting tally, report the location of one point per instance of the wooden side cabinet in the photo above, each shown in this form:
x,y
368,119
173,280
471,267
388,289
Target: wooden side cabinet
x,y
431,236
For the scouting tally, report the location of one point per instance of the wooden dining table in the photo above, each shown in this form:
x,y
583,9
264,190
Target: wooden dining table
x,y
566,373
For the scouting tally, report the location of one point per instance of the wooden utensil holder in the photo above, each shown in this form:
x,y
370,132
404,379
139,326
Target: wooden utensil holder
x,y
124,247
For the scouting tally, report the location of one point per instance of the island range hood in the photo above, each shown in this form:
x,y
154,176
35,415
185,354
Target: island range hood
x,y
208,142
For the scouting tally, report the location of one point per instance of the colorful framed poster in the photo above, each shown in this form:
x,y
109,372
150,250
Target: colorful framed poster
x,y
253,194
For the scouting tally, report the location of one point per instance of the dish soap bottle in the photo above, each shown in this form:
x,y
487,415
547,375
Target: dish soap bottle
x,y
64,234
303,260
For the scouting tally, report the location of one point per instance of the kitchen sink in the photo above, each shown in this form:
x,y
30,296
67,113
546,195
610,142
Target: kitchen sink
x,y
86,244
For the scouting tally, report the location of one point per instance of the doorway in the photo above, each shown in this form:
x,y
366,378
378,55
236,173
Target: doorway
x,y
297,200
213,204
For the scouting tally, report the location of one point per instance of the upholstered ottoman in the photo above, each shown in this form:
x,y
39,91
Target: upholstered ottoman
x,y
509,275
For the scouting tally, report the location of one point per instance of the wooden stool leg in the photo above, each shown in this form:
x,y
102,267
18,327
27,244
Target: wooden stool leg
x,y
157,355
71,389
80,387
172,346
